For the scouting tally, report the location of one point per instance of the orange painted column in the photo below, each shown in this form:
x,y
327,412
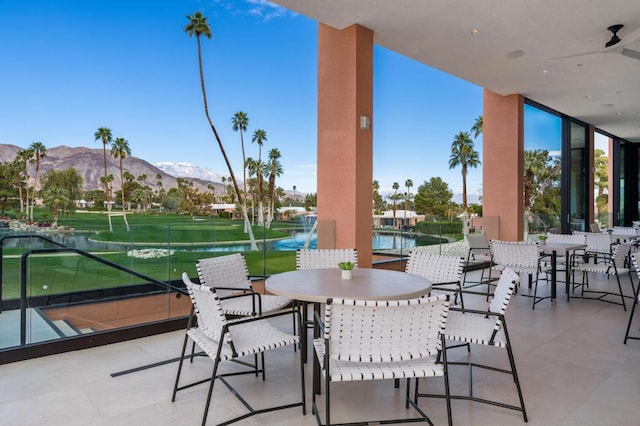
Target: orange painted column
x,y
345,150
503,163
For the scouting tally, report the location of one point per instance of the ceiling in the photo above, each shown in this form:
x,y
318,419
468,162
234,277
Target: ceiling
x,y
512,49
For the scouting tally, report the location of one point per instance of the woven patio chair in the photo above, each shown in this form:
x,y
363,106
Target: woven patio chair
x,y
377,340
229,275
444,272
635,260
324,258
228,340
613,264
522,257
479,253
598,246
487,328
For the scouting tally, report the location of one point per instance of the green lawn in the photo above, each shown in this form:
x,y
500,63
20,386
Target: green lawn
x,y
62,273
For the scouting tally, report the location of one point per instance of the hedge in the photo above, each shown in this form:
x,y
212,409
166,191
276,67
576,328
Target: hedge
x,y
436,228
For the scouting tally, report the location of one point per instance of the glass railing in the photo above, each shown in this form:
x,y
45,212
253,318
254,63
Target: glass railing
x,y
69,285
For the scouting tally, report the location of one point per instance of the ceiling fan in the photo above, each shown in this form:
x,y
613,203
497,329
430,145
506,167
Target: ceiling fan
x,y
615,44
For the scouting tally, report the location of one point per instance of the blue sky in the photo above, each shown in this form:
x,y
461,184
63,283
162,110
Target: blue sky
x,y
71,66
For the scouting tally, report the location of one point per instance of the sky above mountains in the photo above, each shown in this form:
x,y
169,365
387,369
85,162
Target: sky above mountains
x,y
130,66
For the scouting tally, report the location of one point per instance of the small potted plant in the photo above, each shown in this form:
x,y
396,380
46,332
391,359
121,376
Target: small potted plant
x,y
346,267
543,238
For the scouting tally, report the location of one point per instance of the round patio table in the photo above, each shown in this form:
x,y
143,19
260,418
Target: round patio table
x,y
317,285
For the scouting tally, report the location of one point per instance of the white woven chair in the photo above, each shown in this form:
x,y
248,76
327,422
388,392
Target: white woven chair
x,y
635,259
229,275
487,328
479,253
522,257
598,245
376,340
444,272
613,265
224,340
324,258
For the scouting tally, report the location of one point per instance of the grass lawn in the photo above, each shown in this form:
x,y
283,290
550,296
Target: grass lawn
x,y
63,273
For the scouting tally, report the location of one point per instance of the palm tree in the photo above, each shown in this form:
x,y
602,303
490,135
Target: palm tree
x,y
251,166
394,198
407,197
477,127
197,27
294,193
274,170
21,160
55,198
38,151
259,137
120,149
104,135
240,121
463,155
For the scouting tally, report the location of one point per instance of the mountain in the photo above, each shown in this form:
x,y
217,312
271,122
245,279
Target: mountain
x,y
90,165
188,170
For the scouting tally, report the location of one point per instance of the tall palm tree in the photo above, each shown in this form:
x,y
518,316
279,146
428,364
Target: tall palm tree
x,y
477,127
274,170
22,178
251,166
120,149
464,155
55,198
294,193
38,151
407,197
260,137
198,26
394,198
103,134
240,121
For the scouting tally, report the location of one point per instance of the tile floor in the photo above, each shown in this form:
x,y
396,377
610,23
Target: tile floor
x,y
572,364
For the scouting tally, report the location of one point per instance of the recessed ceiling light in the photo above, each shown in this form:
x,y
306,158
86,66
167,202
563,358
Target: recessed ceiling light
x,y
618,91
588,96
545,71
514,54
474,31
618,113
578,65
607,105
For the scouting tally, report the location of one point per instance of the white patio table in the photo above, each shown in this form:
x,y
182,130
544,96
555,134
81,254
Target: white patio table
x,y
553,248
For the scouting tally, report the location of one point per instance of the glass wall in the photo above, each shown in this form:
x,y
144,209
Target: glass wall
x,y
576,202
542,170
601,185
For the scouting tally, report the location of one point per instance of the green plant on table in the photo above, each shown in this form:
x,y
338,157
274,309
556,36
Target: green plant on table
x,y
543,237
346,266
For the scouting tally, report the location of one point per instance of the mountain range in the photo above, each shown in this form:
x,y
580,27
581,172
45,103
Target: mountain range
x,y
89,164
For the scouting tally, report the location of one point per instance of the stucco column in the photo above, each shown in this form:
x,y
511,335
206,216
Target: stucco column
x,y
345,150
503,163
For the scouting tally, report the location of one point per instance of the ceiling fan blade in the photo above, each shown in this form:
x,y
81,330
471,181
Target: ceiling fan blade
x,y
630,38
578,54
631,53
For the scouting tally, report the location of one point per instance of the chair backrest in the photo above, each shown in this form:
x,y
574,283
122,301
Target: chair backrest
x,y
224,271
207,308
594,227
478,246
384,331
516,253
635,260
324,258
598,242
438,268
567,238
504,289
625,230
620,253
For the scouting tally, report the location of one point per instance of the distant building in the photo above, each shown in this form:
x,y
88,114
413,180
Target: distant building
x,y
402,218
